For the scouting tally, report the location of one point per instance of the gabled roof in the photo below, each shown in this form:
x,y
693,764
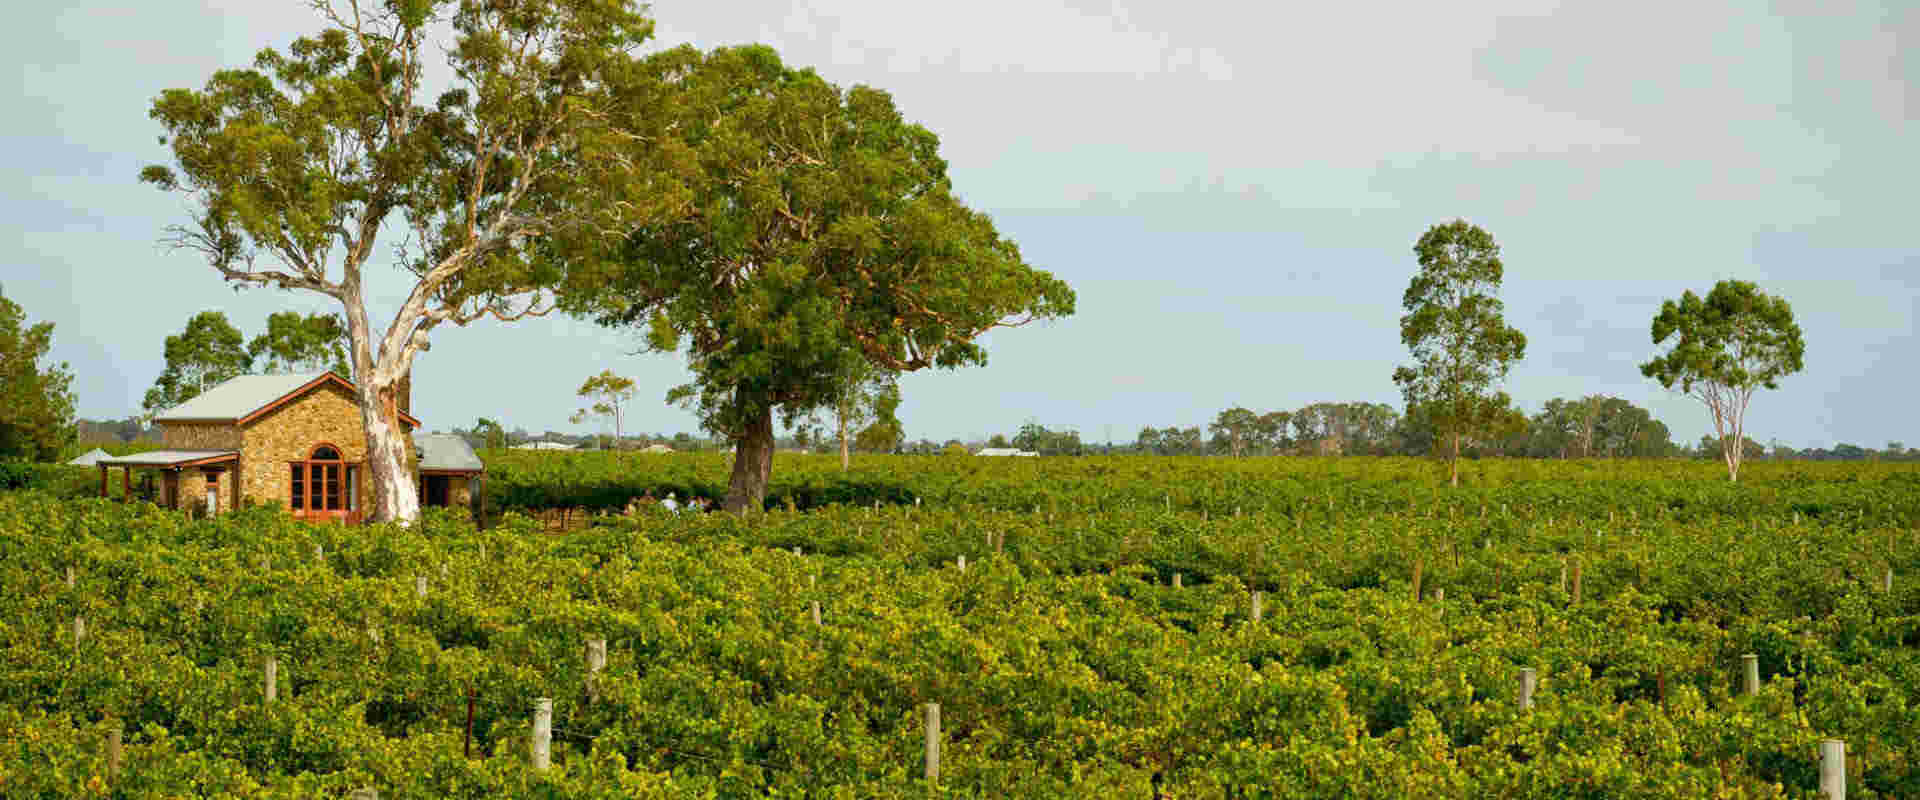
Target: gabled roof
x,y
245,398
445,452
90,458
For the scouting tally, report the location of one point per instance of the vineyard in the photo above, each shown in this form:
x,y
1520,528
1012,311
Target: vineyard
x,y
1127,627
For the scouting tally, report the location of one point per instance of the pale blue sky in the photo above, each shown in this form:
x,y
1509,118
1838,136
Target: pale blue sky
x,y
1232,188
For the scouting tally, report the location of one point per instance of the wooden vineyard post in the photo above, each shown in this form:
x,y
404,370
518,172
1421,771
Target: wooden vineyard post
x,y
933,744
963,563
1750,668
596,661
1419,572
1176,580
1576,581
816,613
541,752
114,742
1833,769
365,794
79,629
1528,680
1440,595
272,678
1886,581
71,579
1256,606
420,586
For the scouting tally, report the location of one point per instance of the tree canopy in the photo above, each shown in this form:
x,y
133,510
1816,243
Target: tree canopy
x,y
813,223
36,400
296,342
298,166
1727,346
208,352
1462,346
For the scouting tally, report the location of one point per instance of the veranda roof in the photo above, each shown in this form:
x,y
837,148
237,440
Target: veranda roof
x,y
170,458
445,452
90,458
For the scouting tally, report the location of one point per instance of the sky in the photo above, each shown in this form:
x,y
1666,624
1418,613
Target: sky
x,y
1233,190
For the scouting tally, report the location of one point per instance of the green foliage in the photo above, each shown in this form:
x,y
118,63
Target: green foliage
x,y
1461,345
302,343
36,402
813,222
1062,657
490,433
1726,347
207,353
609,394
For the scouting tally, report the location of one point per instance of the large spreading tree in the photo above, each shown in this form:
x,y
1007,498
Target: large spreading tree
x,y
814,224
36,400
1727,346
298,166
1462,346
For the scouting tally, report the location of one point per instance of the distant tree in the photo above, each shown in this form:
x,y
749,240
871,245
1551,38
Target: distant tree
x,y
490,433
883,433
999,440
208,352
36,402
862,392
1733,343
1035,437
1238,431
301,343
1461,345
609,394
953,447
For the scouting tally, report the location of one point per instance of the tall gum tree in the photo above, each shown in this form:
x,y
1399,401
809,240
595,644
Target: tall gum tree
x,y
815,223
296,166
1727,346
1461,344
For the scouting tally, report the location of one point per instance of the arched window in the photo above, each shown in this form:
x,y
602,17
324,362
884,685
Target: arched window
x,y
322,483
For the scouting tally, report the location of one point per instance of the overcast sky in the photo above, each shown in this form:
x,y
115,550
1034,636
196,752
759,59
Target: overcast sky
x,y
1232,188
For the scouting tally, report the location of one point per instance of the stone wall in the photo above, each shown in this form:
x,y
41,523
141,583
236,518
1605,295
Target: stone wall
x,y
289,433
200,436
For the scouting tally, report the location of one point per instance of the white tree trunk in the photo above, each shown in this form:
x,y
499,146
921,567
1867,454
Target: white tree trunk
x,y
395,496
846,460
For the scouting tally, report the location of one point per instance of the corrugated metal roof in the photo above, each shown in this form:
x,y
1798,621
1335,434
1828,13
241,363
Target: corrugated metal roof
x,y
237,397
543,446
446,451
164,458
90,458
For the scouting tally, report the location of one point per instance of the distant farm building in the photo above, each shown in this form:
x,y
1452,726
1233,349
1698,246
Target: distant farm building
x,y
1004,451
544,446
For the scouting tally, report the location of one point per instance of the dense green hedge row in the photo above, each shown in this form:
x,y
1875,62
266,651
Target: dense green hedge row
x,y
1065,661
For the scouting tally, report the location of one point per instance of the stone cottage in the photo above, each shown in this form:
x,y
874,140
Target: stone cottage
x,y
292,439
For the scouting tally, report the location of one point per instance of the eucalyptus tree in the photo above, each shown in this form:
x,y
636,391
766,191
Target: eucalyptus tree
x,y
813,223
1727,346
36,401
299,164
301,342
1462,347
607,394
201,356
